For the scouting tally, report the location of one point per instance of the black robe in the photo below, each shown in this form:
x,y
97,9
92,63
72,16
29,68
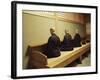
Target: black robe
x,y
67,43
77,40
53,46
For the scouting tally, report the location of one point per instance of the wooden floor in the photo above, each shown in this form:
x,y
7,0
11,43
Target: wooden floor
x,y
86,61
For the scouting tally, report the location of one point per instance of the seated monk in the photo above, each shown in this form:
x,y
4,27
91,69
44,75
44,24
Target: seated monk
x,y
53,45
77,39
67,42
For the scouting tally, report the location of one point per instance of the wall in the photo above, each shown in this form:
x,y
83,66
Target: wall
x,y
36,26
88,28
35,31
71,27
88,24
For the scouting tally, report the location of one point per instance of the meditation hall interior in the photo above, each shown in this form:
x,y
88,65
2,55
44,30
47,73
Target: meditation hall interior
x,y
53,39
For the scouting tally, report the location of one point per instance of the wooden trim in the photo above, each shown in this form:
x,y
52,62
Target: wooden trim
x,y
71,21
55,18
49,16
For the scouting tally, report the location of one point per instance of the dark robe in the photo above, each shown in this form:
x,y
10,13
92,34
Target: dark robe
x,y
77,40
53,46
67,43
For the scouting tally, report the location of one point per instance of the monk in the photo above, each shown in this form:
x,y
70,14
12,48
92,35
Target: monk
x,y
53,45
77,39
67,42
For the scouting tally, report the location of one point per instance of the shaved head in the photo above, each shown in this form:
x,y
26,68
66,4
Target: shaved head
x,y
77,31
52,30
66,31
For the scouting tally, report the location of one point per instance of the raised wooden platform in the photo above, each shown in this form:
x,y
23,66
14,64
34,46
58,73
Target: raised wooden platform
x,y
39,60
68,56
